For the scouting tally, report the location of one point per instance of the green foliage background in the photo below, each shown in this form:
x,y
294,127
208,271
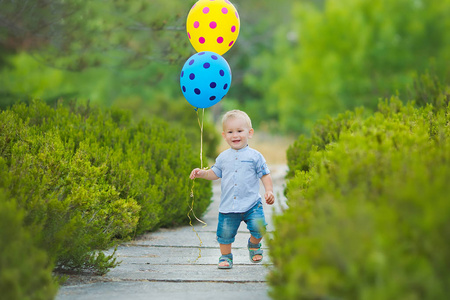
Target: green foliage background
x,y
294,62
338,55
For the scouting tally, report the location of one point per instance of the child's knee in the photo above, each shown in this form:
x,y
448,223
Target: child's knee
x,y
226,235
227,230
257,228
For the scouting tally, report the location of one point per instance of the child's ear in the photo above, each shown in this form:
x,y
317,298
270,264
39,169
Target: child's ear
x,y
250,133
223,134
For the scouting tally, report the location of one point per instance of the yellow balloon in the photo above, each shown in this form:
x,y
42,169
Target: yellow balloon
x,y
213,25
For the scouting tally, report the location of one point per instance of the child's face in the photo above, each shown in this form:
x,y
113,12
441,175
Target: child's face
x,y
236,133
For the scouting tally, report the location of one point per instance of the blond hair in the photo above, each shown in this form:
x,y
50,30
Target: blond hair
x,y
237,114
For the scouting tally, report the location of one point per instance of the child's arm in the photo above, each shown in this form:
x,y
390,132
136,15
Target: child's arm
x,y
205,174
268,186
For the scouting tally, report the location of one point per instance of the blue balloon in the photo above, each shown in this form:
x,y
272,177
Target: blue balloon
x,y
205,79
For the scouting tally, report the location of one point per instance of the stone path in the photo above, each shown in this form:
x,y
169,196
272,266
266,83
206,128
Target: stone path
x,y
164,265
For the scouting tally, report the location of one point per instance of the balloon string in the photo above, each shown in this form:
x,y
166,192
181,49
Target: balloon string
x,y
191,206
201,137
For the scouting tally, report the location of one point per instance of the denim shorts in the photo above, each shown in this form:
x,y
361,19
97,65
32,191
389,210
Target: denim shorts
x,y
229,224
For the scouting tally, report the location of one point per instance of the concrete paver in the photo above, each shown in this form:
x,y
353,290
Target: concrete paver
x,y
166,290
165,264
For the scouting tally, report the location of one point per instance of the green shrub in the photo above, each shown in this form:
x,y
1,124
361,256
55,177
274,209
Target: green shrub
x,y
325,132
368,209
24,269
67,204
86,177
429,90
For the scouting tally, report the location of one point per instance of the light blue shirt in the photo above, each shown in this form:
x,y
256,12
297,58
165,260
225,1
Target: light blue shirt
x,y
240,171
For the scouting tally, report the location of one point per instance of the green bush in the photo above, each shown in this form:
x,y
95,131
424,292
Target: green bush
x,y
325,132
24,269
185,118
86,177
368,208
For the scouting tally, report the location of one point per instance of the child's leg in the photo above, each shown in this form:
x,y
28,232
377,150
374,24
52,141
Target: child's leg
x,y
253,240
225,249
256,224
226,232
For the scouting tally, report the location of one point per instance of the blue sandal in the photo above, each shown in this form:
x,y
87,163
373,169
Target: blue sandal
x,y
253,253
226,258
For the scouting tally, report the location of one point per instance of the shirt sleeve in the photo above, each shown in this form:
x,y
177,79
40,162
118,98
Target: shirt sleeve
x,y
217,167
261,166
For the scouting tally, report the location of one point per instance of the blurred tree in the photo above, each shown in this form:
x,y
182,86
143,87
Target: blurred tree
x,y
335,55
113,46
93,33
294,61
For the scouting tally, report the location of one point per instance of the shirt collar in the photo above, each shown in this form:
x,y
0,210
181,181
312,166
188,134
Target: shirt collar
x,y
241,150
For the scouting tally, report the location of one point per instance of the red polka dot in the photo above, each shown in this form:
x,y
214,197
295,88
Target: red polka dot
x,y
213,24
206,10
231,43
233,28
201,40
224,10
196,24
189,35
220,40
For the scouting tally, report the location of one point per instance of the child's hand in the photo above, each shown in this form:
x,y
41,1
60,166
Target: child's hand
x,y
270,198
196,173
